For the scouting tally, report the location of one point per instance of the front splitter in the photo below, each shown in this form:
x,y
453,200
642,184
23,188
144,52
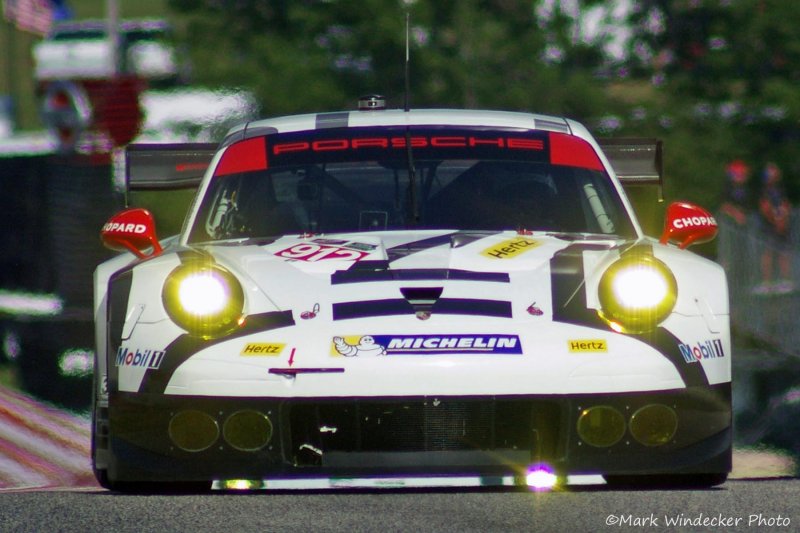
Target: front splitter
x,y
395,483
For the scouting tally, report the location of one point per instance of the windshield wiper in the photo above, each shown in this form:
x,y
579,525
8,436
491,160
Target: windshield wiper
x,y
572,236
412,181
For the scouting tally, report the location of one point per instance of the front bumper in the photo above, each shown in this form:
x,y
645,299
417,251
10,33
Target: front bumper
x,y
161,438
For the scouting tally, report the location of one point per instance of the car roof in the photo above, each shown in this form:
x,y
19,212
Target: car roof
x,y
399,117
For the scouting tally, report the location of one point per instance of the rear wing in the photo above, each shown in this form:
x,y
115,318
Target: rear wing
x,y
636,161
153,167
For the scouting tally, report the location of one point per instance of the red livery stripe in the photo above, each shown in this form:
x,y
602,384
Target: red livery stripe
x,y
570,151
244,156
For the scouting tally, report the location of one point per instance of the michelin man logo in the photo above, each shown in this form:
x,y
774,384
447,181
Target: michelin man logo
x,y
366,346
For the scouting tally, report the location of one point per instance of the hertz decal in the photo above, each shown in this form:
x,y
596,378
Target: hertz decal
x,y
587,346
510,248
263,348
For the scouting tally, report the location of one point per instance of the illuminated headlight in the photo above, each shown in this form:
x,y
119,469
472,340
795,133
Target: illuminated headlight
x,y
636,294
204,299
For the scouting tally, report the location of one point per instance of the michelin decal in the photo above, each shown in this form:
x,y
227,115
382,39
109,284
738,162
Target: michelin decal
x,y
379,345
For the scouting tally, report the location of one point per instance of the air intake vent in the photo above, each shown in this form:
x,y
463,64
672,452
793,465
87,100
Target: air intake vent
x,y
422,298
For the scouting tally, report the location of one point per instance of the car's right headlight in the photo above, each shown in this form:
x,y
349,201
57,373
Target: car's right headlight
x,y
637,293
203,298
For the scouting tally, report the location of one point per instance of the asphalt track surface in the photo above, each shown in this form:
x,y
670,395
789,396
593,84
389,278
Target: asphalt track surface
x,y
46,485
738,505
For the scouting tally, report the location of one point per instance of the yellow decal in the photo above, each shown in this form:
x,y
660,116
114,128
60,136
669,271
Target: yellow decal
x,y
263,348
510,248
587,345
355,345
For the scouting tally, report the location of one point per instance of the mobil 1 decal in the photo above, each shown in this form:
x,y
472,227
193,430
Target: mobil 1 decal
x,y
138,358
708,349
349,144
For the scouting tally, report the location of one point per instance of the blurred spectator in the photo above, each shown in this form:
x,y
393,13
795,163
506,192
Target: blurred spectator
x,y
774,210
737,196
735,209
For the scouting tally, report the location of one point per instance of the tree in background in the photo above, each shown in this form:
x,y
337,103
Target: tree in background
x,y
724,75
315,55
716,79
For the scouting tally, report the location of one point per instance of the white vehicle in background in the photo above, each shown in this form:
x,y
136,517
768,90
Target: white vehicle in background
x,y
446,294
81,49
62,182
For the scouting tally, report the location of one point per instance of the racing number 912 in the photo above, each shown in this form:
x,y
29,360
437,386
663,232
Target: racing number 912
x,y
316,252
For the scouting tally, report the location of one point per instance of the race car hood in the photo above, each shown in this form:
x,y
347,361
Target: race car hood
x,y
482,274
323,304
364,275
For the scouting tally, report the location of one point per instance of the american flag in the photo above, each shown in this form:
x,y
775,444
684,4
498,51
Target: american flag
x,y
29,15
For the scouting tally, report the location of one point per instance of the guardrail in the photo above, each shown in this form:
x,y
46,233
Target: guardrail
x,y
766,311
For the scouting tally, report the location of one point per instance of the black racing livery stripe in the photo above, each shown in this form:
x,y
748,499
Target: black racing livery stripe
x,y
373,308
567,281
332,120
455,239
182,348
443,306
552,125
476,307
363,275
188,255
119,290
464,238
402,250
569,306
185,346
248,132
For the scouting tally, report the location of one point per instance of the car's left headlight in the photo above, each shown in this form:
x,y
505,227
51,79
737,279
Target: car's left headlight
x,y
637,293
203,298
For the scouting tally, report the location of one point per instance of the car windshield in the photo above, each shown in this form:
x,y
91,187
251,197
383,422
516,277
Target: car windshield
x,y
356,180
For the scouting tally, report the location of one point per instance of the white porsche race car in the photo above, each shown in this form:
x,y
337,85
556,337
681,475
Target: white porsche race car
x,y
389,294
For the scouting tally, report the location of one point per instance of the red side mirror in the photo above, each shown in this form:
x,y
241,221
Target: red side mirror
x,y
133,230
688,224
